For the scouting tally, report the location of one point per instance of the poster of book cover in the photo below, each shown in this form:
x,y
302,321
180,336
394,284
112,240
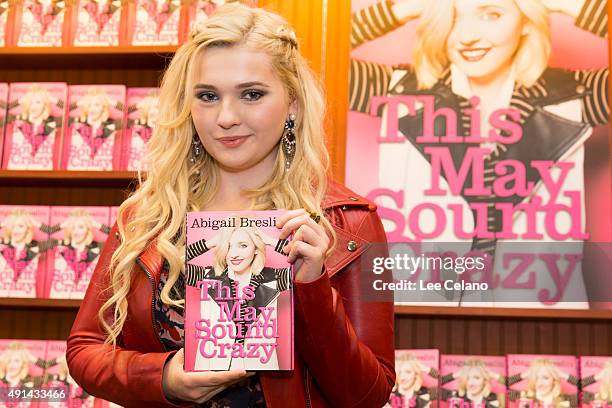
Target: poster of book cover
x,y
78,234
142,113
4,7
489,124
58,377
542,381
40,23
156,22
23,250
416,382
472,381
34,121
201,10
96,22
239,296
22,365
596,381
92,138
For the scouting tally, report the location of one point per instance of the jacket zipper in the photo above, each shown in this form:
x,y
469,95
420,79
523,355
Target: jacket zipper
x,y
150,277
307,387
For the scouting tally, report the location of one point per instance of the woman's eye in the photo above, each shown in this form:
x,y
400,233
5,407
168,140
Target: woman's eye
x,y
207,96
491,16
252,95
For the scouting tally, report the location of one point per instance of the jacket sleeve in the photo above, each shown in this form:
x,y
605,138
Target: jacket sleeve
x,y
345,339
126,377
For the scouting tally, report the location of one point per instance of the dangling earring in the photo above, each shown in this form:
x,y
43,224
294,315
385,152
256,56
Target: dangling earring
x,y
196,148
288,141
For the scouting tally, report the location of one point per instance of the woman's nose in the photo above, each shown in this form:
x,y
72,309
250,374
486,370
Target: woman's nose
x,y
228,115
466,32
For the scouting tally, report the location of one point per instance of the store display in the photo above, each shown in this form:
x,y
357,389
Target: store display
x,y
416,382
96,22
156,22
142,113
40,23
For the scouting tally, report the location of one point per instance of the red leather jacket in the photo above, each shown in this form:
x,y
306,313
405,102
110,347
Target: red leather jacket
x,y
344,344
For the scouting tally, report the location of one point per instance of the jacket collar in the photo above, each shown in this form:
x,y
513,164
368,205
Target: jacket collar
x,y
337,195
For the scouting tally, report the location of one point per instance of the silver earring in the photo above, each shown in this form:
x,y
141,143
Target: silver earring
x,y
288,141
196,148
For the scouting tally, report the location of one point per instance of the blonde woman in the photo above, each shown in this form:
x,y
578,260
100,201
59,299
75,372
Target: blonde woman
x,y
604,395
544,385
409,390
474,385
490,56
240,128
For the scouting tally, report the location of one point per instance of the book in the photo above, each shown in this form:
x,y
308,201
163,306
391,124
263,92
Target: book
x,y
156,22
142,112
4,28
26,368
78,234
40,23
238,294
472,381
96,22
23,250
504,169
416,383
542,381
3,105
595,381
34,125
92,139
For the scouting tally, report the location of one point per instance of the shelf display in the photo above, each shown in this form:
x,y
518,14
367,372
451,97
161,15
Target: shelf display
x,y
96,22
142,113
40,23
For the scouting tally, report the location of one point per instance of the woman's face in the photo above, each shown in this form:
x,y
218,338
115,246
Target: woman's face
x,y
475,381
19,231
95,110
37,106
14,366
406,375
484,38
79,232
241,251
544,381
239,108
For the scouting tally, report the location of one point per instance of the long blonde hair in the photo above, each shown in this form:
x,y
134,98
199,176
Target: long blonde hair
x,y
175,185
436,23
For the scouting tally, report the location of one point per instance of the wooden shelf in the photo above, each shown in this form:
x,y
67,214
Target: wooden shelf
x,y
19,303
67,178
503,312
122,57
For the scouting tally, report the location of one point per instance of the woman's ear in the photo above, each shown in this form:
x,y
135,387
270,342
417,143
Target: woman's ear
x,y
294,107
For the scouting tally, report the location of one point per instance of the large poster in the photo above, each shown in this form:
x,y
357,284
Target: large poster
x,y
485,128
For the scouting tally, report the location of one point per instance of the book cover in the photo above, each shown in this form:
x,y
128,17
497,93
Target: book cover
x,y
156,22
542,381
142,113
4,29
22,365
472,381
416,382
96,22
34,124
92,138
3,107
23,250
78,234
40,23
239,298
471,150
596,381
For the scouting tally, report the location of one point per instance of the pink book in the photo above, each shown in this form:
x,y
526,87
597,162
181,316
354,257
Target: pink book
x,y
142,113
542,381
416,379
472,381
95,122
97,22
239,299
79,233
596,382
41,23
27,359
3,105
34,126
4,6
156,22
23,250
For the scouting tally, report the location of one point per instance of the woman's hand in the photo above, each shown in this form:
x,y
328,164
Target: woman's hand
x,y
308,247
569,7
196,387
406,10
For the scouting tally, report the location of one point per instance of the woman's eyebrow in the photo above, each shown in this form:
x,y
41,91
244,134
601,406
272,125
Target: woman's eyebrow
x,y
239,86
